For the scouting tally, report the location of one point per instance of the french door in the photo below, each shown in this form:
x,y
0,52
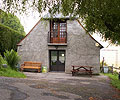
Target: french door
x,y
57,60
58,31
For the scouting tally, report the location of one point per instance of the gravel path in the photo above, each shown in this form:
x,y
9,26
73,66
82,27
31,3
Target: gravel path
x,y
57,86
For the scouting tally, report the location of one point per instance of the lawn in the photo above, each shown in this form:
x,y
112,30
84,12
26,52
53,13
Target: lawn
x,y
114,80
8,72
11,59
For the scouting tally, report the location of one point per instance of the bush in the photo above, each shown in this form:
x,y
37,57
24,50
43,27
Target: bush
x,y
0,61
12,58
8,38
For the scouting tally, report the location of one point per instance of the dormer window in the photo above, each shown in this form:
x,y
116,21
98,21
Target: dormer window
x,y
58,31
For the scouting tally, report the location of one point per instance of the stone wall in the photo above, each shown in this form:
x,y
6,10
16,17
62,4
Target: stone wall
x,y
34,47
80,49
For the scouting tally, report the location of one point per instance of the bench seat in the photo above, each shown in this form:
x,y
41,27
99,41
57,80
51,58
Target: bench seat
x,y
31,65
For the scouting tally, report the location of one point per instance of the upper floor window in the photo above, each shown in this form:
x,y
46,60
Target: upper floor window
x,y
58,31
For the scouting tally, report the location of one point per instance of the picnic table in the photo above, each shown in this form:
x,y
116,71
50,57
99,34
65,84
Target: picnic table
x,y
86,69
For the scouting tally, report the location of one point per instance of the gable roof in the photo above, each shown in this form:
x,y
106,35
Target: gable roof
x,y
78,22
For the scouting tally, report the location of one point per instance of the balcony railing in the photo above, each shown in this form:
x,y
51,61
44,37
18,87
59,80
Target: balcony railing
x,y
57,37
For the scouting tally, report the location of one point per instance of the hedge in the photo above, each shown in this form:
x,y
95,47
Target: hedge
x,y
8,38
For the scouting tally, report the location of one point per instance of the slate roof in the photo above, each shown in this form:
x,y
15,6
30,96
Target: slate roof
x,y
60,15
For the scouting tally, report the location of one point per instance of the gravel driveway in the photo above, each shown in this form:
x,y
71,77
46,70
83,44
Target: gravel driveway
x,y
57,86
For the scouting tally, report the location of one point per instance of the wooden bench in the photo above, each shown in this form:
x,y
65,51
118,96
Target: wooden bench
x,y
31,65
86,69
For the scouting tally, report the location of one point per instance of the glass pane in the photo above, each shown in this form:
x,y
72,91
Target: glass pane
x,y
53,57
62,56
63,26
62,29
55,29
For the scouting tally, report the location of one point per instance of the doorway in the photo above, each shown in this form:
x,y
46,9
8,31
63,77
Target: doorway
x,y
57,60
58,31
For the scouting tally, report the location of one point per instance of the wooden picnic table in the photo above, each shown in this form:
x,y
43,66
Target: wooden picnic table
x,y
86,69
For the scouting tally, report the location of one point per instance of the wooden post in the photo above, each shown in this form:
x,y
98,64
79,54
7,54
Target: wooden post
x,y
112,68
102,65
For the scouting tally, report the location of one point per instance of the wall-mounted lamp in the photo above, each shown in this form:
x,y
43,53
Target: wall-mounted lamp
x,y
96,44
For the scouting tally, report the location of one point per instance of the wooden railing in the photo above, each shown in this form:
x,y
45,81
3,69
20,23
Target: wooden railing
x,y
54,37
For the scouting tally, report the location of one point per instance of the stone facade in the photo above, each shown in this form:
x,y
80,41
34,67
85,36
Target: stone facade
x,y
80,49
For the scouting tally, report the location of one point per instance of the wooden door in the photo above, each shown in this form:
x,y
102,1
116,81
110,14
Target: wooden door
x,y
62,32
55,32
58,32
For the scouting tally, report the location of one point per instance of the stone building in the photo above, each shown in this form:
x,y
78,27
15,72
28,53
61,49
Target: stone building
x,y
59,43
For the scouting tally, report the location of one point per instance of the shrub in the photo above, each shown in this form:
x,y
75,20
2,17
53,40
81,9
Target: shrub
x,y
0,61
12,58
8,38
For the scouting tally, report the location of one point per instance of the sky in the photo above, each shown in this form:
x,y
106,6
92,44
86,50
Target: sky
x,y
29,20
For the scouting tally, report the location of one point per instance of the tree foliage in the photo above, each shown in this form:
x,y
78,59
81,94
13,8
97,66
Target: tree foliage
x,y
11,21
101,16
8,38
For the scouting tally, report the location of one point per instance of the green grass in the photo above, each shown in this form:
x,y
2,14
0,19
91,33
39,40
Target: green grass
x,y
8,72
114,80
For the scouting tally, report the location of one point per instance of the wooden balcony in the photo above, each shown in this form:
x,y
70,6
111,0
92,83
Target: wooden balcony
x,y
57,38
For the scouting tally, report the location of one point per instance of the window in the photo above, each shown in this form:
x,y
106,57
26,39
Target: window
x,y
58,31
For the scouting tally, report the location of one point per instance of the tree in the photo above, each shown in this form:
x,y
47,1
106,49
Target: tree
x,y
101,16
11,21
11,31
8,38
